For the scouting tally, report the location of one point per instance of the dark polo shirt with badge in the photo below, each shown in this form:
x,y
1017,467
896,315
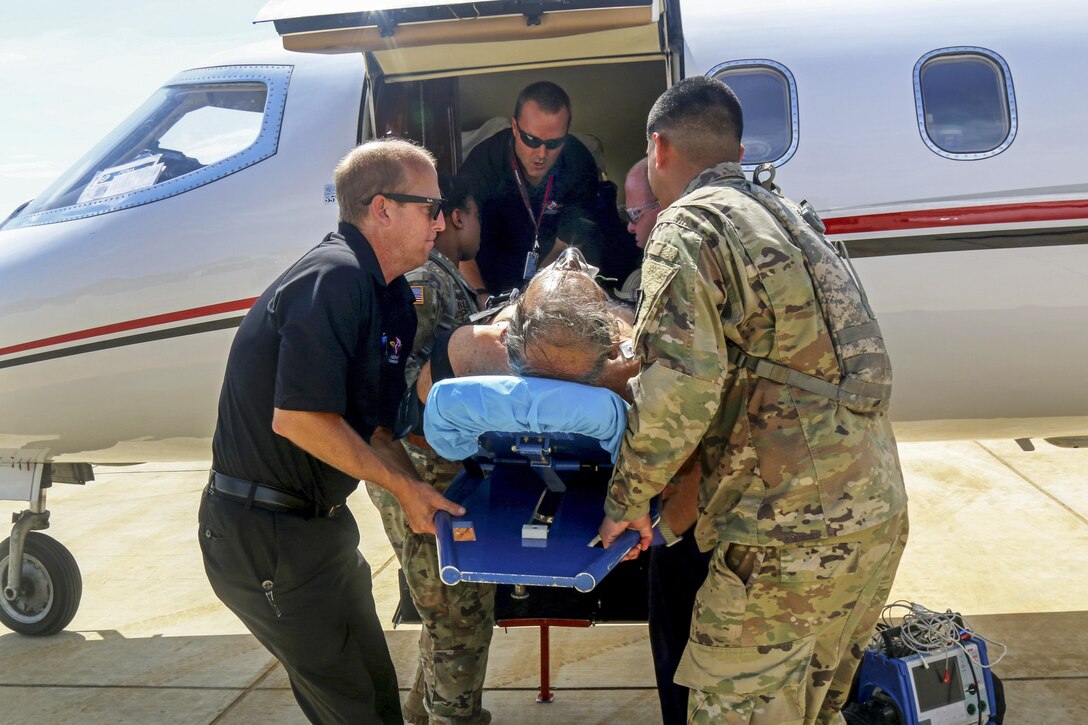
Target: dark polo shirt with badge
x,y
506,227
328,336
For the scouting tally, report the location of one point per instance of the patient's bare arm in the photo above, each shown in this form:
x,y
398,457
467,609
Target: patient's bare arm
x,y
478,350
473,350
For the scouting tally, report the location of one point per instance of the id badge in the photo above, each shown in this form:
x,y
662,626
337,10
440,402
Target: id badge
x,y
530,265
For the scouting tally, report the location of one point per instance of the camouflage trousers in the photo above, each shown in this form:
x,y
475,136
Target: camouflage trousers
x,y
458,621
778,632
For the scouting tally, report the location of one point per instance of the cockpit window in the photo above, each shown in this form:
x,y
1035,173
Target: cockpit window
x,y
965,101
203,125
228,124
768,95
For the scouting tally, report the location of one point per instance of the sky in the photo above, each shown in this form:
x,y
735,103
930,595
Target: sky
x,y
72,70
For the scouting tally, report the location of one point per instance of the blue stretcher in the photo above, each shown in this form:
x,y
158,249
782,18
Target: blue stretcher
x,y
538,457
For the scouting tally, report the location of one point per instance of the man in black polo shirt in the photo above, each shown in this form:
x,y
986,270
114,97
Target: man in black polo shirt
x,y
533,184
306,410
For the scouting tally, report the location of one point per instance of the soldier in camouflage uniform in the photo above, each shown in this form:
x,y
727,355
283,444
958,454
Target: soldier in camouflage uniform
x,y
457,621
801,498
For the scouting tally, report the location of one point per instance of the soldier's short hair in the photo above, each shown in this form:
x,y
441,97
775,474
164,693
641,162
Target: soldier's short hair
x,y
702,118
456,192
376,167
550,97
561,310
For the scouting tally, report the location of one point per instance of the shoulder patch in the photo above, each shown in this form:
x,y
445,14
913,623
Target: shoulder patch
x,y
656,276
661,248
417,293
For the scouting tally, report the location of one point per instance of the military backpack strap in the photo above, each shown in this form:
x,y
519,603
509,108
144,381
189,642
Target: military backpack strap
x,y
846,391
864,366
459,289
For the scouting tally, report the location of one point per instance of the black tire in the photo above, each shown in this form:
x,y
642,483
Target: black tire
x,y
51,587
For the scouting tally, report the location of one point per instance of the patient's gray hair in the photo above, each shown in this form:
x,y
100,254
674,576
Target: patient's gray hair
x,y
561,309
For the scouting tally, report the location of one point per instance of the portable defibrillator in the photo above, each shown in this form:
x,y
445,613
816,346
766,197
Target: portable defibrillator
x,y
931,670
953,687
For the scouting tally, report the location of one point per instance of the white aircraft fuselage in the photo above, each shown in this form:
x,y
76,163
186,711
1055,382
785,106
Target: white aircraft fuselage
x,y
118,311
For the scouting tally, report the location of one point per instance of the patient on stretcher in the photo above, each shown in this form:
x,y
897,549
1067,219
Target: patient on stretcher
x,y
564,326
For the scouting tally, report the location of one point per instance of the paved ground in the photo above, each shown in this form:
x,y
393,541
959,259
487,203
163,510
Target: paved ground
x,y
998,534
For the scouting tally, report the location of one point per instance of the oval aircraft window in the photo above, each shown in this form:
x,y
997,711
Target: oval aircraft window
x,y
202,126
768,95
965,103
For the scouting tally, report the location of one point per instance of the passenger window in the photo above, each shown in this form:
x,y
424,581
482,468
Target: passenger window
x,y
965,102
768,95
203,125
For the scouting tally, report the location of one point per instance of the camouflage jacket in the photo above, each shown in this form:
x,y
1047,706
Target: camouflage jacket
x,y
779,464
443,300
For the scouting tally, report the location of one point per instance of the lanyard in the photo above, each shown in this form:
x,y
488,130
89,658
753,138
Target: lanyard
x,y
534,220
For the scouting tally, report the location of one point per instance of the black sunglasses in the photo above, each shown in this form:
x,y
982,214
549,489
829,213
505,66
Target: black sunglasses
x,y
534,143
436,204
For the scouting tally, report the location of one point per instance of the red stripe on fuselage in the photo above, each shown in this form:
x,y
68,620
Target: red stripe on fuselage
x,y
894,221
1040,211
152,321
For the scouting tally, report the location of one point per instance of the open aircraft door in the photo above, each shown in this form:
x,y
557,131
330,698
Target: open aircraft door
x,y
437,71
439,36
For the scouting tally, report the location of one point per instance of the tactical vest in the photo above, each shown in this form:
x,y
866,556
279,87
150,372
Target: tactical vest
x,y
865,375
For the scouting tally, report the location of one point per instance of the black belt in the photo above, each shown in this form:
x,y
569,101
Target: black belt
x,y
267,497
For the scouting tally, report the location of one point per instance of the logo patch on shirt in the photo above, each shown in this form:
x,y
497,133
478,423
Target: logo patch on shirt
x,y
553,207
392,353
417,292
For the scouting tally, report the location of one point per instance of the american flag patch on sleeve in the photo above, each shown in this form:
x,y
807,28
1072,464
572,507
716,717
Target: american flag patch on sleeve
x,y
417,292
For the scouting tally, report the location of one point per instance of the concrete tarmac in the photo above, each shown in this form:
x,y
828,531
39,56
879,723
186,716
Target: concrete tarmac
x,y
997,534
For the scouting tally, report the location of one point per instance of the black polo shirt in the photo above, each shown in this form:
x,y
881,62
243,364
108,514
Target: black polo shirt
x,y
328,336
506,229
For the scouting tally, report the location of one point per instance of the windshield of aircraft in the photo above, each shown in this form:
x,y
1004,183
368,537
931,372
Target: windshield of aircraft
x,y
185,135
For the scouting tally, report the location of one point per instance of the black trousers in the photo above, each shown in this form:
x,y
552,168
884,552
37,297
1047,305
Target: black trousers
x,y
303,589
675,575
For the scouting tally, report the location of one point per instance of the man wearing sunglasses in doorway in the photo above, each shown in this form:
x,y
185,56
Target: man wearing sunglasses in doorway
x,y
533,183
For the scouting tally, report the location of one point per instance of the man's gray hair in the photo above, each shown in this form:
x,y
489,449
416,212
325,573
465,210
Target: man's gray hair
x,y
561,309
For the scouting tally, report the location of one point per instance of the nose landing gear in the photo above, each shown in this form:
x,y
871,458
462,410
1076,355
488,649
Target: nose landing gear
x,y
40,584
49,586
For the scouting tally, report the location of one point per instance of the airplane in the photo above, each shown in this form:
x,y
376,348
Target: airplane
x,y
931,135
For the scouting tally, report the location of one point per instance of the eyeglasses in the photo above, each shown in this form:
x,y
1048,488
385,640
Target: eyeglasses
x,y
534,143
436,204
634,213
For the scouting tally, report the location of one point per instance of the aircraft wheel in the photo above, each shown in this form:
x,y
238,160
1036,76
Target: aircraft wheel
x,y
51,587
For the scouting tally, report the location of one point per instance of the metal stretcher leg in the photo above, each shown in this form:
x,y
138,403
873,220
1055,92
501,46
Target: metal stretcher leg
x,y
545,694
